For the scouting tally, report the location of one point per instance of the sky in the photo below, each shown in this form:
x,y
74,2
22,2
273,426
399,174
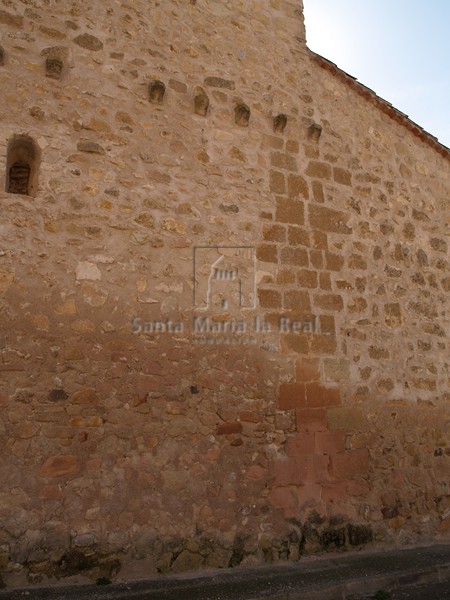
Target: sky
x,y
398,48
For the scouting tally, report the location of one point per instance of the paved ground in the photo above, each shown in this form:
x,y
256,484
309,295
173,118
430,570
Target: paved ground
x,y
418,572
437,591
428,591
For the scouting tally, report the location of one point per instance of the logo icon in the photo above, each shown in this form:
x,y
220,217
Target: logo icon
x,y
224,277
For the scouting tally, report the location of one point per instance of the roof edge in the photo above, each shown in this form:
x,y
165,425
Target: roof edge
x,y
383,105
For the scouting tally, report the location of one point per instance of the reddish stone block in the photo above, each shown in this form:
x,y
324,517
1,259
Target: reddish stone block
x,y
328,219
307,279
248,415
212,454
301,444
118,357
87,396
358,487
290,211
292,146
297,300
289,471
308,495
350,464
323,344
229,427
319,240
334,492
56,466
11,367
269,298
297,186
294,256
277,183
325,281
329,301
335,262
152,367
308,368
94,465
298,342
317,395
177,354
256,472
51,492
311,419
291,395
444,525
146,383
316,257
327,325
342,176
297,236
274,233
267,253
329,442
283,161
285,277
318,191
319,170
284,498
317,468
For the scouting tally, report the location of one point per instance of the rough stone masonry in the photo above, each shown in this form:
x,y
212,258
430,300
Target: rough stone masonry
x,y
178,176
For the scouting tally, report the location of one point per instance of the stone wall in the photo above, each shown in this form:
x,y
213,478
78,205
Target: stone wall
x,y
147,415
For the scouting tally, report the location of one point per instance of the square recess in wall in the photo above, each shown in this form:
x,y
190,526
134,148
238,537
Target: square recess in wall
x,y
224,277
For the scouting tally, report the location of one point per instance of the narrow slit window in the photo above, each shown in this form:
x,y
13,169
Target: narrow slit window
x,y
22,166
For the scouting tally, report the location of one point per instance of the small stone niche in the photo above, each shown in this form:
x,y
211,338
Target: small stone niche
x,y
2,57
201,104
314,132
242,115
156,91
53,67
56,60
22,166
279,123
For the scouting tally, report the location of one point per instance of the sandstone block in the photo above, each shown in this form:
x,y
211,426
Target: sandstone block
x,y
220,83
283,161
348,418
311,419
229,427
294,256
269,298
350,464
59,465
277,182
297,236
329,442
297,187
328,301
290,211
11,20
297,300
292,395
319,396
319,170
328,219
89,42
267,252
342,176
274,233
